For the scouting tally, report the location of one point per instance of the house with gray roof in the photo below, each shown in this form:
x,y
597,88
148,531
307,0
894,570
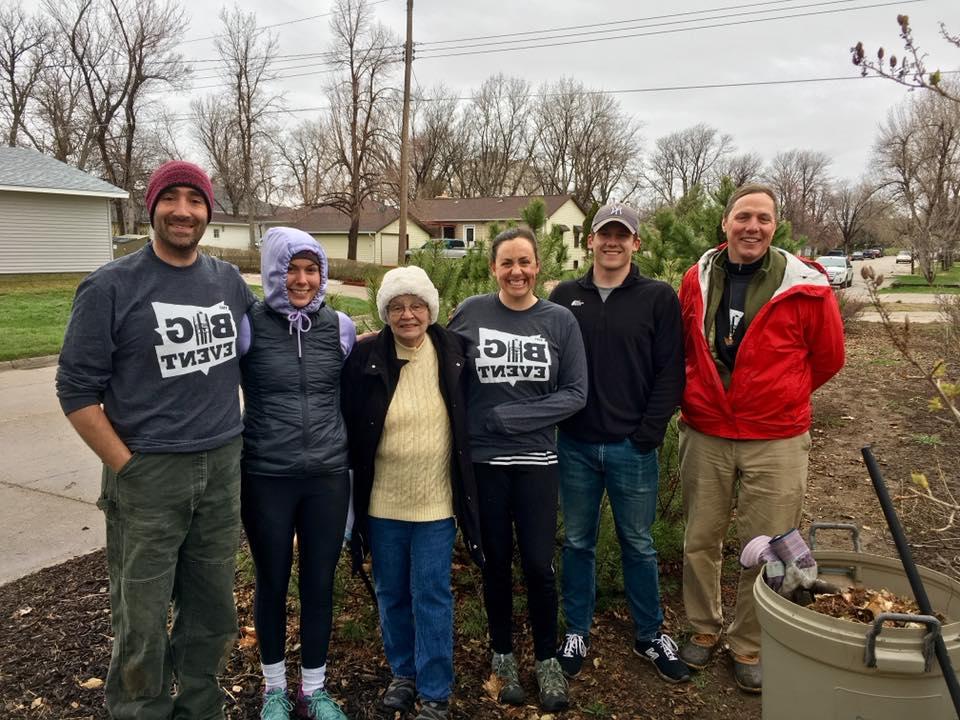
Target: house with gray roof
x,y
53,217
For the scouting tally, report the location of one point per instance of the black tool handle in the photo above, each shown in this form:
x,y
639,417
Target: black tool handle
x,y
916,584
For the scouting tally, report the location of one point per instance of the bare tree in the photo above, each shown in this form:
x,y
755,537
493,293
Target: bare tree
x,y
244,162
364,54
304,155
123,50
685,158
496,134
910,68
585,144
215,129
741,169
801,180
434,142
851,209
917,158
24,48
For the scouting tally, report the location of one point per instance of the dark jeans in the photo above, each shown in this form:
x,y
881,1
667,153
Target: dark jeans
x,y
273,508
522,497
173,523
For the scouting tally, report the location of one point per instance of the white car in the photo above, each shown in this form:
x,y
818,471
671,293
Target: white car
x,y
904,257
839,270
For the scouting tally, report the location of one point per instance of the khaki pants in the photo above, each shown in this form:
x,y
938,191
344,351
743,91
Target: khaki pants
x,y
772,476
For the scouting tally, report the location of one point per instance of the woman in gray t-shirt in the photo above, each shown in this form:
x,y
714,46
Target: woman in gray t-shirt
x,y
527,372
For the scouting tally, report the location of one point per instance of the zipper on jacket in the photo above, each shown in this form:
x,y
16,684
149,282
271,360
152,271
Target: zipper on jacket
x,y
304,412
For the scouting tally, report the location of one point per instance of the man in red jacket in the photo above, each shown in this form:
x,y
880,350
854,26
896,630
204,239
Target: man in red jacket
x,y
762,331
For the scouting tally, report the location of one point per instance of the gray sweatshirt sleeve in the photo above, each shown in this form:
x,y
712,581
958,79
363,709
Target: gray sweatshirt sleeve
x,y
570,395
85,364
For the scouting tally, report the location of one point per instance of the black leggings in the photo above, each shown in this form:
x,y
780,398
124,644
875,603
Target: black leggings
x,y
273,508
525,497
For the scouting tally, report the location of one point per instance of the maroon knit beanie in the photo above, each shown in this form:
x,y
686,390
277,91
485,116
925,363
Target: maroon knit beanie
x,y
175,173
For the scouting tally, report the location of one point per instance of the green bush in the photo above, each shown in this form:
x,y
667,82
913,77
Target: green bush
x,y
247,260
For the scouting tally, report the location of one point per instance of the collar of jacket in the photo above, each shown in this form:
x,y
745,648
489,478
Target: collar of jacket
x,y
383,355
632,278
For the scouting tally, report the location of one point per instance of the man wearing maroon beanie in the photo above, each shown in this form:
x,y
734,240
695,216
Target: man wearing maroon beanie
x,y
148,376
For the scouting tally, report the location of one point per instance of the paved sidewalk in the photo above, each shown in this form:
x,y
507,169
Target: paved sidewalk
x,y
49,480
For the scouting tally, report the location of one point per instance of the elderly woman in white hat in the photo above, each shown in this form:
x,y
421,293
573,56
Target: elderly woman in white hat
x,y
404,402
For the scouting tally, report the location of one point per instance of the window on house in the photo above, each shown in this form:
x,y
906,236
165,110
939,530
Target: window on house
x,y
449,232
577,231
216,233
576,264
469,232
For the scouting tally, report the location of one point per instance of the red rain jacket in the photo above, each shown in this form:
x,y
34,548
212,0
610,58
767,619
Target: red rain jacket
x,y
792,347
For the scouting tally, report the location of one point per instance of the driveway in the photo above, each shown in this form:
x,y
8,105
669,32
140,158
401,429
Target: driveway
x,y
889,269
49,480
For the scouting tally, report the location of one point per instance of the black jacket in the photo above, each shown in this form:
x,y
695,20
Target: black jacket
x,y
634,344
292,420
369,380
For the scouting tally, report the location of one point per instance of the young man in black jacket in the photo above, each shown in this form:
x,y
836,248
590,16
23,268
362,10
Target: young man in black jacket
x,y
633,338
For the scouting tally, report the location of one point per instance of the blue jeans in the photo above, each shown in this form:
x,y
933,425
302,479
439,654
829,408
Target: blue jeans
x,y
630,479
411,573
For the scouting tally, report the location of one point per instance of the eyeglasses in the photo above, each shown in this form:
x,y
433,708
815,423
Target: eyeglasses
x,y
415,307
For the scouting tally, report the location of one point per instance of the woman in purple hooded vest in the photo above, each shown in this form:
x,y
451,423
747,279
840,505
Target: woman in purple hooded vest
x,y
295,479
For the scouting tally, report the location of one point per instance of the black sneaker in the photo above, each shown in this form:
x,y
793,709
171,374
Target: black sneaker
x,y
571,654
662,652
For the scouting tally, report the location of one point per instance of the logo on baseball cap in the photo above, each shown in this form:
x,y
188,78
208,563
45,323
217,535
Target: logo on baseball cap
x,y
616,212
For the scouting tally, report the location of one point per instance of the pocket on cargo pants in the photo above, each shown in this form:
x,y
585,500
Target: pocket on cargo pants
x,y
144,509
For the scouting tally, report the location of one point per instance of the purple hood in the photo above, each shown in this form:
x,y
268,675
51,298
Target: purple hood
x,y
279,245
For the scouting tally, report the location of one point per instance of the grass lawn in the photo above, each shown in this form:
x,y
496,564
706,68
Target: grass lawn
x,y
33,313
946,283
34,310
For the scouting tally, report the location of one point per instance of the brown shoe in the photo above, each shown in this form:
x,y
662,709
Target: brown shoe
x,y
747,672
697,651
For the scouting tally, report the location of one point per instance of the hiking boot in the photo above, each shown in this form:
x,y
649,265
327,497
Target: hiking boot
x,y
662,652
318,706
697,651
400,695
747,673
276,705
434,710
552,684
505,668
571,654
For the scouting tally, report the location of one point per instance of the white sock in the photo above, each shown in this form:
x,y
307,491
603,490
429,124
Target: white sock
x,y
275,675
312,679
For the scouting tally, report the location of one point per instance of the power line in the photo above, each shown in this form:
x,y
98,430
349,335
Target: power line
x,y
661,31
516,48
631,20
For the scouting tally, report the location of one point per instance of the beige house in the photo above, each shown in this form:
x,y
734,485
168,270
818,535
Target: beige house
x,y
469,219
232,233
379,231
53,217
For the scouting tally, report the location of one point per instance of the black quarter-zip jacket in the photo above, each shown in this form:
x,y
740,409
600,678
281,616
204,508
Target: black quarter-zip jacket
x,y
634,346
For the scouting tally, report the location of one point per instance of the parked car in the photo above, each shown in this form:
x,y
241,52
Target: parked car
x,y
904,256
449,248
872,253
839,270
858,255
838,252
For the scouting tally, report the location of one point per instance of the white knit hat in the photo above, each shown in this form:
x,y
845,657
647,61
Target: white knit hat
x,y
410,280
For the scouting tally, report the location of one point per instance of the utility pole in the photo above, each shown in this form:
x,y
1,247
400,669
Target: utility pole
x,y
405,136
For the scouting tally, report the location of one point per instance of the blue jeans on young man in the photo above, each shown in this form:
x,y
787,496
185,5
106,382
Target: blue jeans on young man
x,y
411,573
629,476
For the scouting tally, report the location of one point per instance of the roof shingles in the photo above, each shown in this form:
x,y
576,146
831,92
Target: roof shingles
x,y
27,169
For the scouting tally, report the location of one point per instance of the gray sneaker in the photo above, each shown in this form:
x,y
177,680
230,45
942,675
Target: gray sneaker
x,y
511,691
434,710
400,695
553,685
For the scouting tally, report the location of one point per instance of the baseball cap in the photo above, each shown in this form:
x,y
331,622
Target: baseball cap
x,y
615,212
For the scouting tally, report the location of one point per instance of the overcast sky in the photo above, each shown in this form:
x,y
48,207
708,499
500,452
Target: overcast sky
x,y
669,47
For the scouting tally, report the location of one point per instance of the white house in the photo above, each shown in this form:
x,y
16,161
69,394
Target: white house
x,y
53,217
